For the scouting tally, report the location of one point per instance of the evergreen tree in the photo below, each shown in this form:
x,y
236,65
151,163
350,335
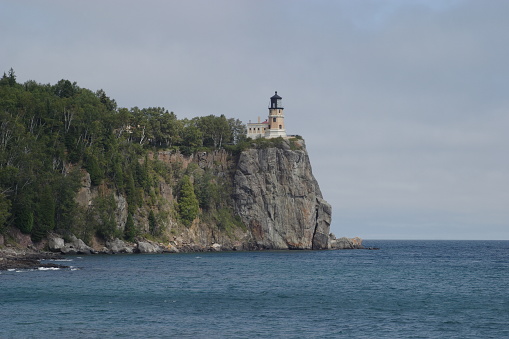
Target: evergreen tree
x,y
24,218
93,168
45,221
152,223
187,202
11,78
5,206
130,230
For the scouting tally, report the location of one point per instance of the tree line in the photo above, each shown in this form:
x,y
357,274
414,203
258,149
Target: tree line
x,y
48,133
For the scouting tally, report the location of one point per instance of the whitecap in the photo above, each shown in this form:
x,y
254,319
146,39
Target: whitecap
x,y
48,268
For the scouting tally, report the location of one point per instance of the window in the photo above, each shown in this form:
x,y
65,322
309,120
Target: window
x,y
280,126
273,119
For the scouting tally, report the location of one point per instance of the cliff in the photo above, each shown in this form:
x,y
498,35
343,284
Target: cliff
x,y
279,200
264,197
270,191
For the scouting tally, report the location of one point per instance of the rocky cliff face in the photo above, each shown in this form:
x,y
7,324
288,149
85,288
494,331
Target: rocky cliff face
x,y
270,188
279,200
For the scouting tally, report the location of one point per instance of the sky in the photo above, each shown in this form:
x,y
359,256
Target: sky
x,y
403,104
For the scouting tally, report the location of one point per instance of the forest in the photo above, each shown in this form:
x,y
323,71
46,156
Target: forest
x,y
51,134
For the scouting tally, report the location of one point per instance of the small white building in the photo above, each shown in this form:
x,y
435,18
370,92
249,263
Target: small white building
x,y
274,126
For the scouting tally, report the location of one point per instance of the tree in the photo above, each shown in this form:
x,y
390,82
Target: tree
x,y
45,209
187,201
65,89
130,231
237,130
24,217
152,222
5,206
110,104
66,206
216,130
93,168
11,78
192,138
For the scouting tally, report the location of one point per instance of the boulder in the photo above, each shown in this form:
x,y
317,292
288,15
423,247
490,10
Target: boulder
x,y
148,247
119,246
215,247
76,246
171,248
55,243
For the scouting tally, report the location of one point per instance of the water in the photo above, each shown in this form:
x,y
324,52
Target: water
x,y
407,289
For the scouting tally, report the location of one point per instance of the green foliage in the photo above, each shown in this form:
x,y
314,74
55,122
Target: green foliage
x,y
152,223
262,143
105,221
66,207
295,144
24,218
226,221
5,206
65,89
45,214
48,130
9,80
204,190
131,192
187,201
130,231
93,168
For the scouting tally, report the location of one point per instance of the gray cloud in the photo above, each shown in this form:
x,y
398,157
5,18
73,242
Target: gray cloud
x,y
403,104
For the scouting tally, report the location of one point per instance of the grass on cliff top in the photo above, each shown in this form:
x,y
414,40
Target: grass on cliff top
x,y
293,143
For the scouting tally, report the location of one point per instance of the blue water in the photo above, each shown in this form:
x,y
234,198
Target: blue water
x,y
407,289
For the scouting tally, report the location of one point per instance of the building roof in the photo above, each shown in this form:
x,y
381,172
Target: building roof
x,y
275,96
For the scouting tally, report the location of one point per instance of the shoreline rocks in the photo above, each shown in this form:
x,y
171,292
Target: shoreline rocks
x,y
344,243
15,259
30,257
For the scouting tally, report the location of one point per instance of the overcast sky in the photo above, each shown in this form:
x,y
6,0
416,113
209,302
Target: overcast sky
x,y
403,104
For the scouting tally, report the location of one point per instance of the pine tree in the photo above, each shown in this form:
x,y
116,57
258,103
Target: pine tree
x,y
130,229
187,202
152,223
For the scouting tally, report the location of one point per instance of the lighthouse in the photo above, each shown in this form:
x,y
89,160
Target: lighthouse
x,y
274,126
276,120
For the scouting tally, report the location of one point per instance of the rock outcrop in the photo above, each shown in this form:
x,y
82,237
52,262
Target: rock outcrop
x,y
279,200
345,243
74,246
148,247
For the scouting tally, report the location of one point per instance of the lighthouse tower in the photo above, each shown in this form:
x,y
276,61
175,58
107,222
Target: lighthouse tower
x,y
276,120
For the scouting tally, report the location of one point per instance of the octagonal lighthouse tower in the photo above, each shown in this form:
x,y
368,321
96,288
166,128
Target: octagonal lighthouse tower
x,y
276,120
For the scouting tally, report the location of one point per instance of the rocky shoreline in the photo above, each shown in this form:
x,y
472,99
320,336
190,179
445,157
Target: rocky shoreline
x,y
29,256
15,259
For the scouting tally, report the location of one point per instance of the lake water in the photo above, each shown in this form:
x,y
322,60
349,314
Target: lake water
x,y
407,289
